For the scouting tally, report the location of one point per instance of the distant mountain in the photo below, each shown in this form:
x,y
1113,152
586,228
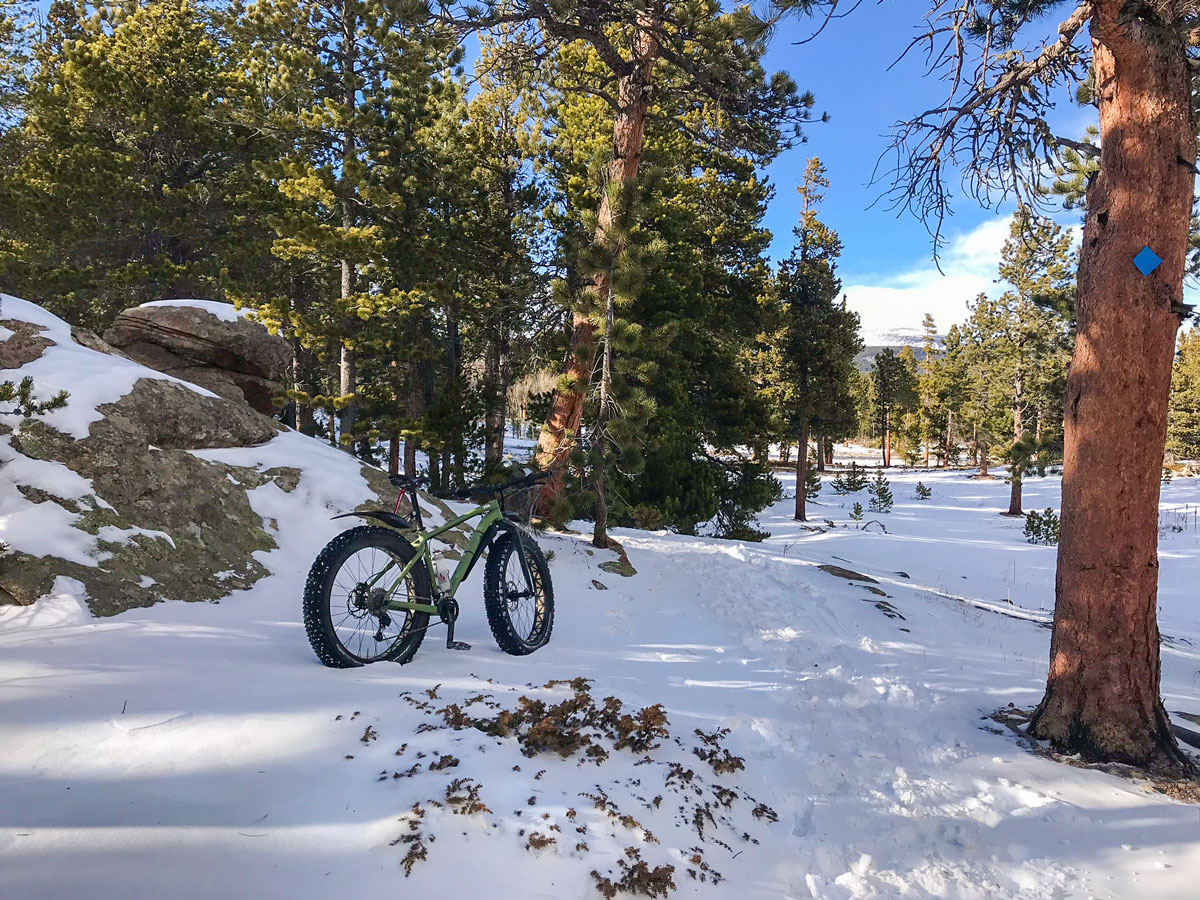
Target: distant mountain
x,y
896,338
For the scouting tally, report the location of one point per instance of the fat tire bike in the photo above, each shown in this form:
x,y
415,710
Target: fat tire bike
x,y
371,592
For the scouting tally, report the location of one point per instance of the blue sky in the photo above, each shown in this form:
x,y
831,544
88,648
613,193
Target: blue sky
x,y
886,268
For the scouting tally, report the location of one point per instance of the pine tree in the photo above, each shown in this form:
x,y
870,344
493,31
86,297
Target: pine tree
x,y
818,337
932,414
702,63
348,84
851,480
1102,696
16,37
698,306
895,392
881,493
1016,350
856,512
924,492
623,406
1183,422
127,161
812,481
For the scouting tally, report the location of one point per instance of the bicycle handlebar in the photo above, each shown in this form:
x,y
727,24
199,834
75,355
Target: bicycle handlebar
x,y
410,483
494,489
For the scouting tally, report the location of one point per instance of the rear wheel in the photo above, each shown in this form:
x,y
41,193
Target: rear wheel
x,y
520,614
345,606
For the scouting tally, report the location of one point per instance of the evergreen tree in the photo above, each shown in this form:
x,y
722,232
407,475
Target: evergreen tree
x,y
851,480
1183,423
895,392
812,481
1102,694
16,36
703,64
127,162
931,410
348,85
1017,349
880,490
818,337
698,306
622,405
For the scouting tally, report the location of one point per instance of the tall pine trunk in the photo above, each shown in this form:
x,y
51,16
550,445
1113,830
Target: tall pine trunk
x,y
802,473
602,441
413,408
887,438
1102,692
394,455
347,381
495,397
822,441
347,375
1015,468
629,132
949,439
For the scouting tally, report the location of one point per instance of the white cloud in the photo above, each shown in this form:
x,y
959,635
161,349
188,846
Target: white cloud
x,y
897,301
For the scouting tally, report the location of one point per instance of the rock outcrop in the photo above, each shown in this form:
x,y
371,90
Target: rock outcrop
x,y
201,343
144,489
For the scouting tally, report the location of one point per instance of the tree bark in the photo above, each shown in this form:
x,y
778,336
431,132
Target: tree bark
x,y
887,438
394,455
413,406
629,131
602,441
347,380
982,451
822,442
949,432
1102,691
802,474
1014,471
828,452
495,397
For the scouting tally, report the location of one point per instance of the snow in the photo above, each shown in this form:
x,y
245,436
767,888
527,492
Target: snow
x,y
199,750
92,379
226,312
893,337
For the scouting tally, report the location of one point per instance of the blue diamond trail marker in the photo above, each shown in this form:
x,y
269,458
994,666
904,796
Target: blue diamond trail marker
x,y
1147,261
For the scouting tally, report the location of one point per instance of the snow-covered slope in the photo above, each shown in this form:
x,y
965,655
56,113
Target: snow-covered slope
x,y
121,491
195,750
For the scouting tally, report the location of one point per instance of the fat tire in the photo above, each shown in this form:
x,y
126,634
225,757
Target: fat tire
x,y
496,605
318,623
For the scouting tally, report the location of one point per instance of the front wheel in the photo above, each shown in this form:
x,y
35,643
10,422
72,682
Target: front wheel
x,y
520,614
346,598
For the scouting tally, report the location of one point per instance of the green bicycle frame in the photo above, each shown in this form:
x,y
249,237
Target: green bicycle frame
x,y
489,514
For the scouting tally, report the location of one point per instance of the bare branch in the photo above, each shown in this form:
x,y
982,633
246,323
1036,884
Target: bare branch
x,y
992,124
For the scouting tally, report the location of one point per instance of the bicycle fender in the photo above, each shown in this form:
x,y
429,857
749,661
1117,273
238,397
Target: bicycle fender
x,y
390,519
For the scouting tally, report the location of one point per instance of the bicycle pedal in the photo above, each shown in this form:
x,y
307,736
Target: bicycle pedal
x,y
457,645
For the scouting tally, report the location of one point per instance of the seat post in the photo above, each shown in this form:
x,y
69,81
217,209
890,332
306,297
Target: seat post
x,y
416,508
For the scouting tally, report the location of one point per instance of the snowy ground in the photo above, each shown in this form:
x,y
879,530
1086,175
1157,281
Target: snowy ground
x,y
201,750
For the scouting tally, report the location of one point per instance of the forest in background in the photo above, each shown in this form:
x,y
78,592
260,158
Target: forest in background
x,y
425,233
